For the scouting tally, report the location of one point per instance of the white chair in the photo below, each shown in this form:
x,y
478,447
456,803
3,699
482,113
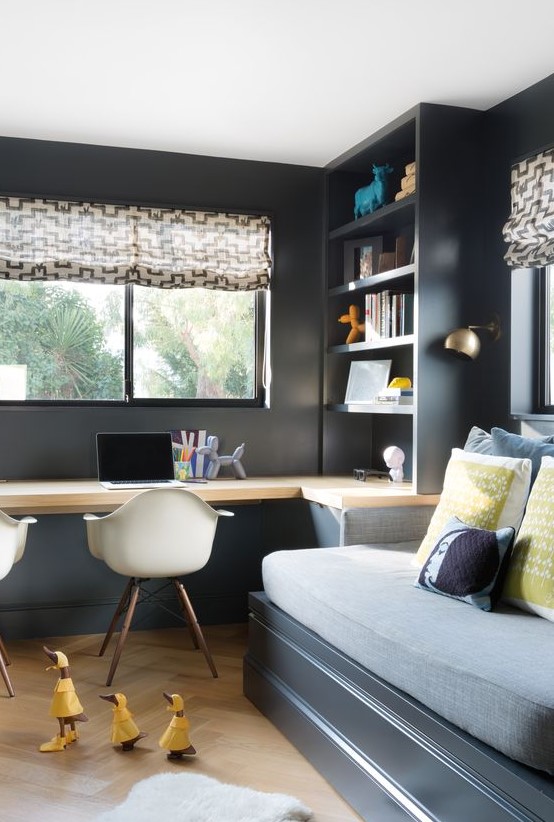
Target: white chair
x,y
13,536
160,533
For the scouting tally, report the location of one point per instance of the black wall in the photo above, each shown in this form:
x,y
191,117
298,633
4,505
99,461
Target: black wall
x,y
520,126
59,442
58,587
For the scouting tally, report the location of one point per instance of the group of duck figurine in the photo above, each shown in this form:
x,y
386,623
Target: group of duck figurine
x,y
67,709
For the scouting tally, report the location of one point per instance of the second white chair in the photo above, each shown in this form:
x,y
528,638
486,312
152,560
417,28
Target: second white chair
x,y
13,538
160,533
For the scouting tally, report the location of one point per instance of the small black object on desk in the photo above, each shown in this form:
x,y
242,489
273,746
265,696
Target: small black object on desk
x,y
362,474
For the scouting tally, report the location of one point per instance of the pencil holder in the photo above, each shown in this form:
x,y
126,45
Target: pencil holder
x,y
183,470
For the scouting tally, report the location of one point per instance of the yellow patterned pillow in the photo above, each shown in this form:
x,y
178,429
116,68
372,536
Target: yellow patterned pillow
x,y
530,579
481,490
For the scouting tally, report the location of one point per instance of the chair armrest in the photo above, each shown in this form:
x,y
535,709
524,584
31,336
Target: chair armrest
x,y
384,525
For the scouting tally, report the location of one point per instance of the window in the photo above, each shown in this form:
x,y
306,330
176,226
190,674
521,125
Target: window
x,y
529,234
66,342
546,337
79,322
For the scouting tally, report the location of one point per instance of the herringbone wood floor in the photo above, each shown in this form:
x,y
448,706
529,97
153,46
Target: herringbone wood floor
x,y
235,743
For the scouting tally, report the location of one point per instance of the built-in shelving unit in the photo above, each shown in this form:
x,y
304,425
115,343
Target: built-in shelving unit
x,y
430,237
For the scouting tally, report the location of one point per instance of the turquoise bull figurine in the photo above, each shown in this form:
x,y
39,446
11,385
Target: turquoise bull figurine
x,y
373,196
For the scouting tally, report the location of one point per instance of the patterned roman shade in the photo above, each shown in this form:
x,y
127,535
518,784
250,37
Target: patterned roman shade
x,y
530,229
118,244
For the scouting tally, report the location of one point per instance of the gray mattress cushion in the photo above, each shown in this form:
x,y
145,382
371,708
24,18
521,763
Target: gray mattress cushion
x,y
490,673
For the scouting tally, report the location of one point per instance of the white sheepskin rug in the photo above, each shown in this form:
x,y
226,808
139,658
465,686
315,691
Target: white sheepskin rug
x,y
196,798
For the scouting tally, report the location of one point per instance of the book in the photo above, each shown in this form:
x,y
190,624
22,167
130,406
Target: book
x,y
372,319
407,322
395,396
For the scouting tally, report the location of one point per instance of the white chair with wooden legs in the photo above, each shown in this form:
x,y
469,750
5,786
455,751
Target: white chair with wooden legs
x,y
13,537
162,533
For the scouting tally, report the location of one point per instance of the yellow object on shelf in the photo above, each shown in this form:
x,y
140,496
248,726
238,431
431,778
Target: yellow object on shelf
x,y
400,382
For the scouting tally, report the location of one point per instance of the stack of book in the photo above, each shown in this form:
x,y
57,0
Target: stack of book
x,y
388,314
395,396
408,182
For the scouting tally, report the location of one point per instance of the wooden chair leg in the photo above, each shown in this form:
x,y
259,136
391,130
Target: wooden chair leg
x,y
134,594
4,653
122,605
4,671
193,622
187,620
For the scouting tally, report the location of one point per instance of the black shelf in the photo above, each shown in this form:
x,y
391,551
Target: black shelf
x,y
371,408
384,342
374,282
390,217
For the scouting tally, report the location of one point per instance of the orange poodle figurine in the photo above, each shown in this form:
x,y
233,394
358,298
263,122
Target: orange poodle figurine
x,y
356,327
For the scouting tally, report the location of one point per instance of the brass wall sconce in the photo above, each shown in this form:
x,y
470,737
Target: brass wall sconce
x,y
465,343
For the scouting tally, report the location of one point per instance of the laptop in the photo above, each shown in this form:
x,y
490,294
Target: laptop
x,y
135,460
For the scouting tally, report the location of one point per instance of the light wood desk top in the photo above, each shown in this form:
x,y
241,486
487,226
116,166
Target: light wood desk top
x,y
20,497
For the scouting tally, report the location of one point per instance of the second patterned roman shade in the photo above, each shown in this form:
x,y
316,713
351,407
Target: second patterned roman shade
x,y
530,228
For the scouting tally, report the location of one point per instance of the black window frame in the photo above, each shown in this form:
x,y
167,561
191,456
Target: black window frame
x,y
542,370
129,401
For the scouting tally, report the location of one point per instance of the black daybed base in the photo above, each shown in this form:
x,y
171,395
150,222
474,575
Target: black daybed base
x,y
390,757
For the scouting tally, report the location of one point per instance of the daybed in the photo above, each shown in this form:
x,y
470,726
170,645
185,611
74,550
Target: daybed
x,y
412,705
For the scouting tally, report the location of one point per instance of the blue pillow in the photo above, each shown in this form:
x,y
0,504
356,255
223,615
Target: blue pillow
x,y
505,444
478,441
467,563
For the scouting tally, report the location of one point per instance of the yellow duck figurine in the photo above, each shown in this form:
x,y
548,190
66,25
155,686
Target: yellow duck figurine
x,y
65,705
124,729
175,739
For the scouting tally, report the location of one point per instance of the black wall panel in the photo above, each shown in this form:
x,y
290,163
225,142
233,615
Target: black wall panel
x,y
58,587
59,442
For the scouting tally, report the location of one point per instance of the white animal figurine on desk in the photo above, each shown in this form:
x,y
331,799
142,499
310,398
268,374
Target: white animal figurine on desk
x,y
394,458
215,461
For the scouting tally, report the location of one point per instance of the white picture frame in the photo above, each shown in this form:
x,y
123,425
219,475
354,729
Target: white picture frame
x,y
367,379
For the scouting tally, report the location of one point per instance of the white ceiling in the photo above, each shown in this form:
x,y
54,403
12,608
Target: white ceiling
x,y
292,81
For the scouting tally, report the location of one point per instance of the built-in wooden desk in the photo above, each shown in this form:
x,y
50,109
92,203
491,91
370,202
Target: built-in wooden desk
x,y
82,496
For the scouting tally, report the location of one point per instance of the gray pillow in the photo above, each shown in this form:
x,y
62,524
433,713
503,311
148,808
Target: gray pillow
x,y
505,444
479,442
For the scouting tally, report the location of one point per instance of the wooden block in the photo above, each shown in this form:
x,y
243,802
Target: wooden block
x,y
408,183
402,251
402,194
387,261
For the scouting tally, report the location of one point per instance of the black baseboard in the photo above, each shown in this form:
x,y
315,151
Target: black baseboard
x,y
36,620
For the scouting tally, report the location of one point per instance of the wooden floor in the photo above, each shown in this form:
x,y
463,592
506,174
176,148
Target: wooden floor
x,y
234,742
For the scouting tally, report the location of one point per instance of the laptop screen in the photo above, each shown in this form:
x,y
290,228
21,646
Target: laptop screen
x,y
134,457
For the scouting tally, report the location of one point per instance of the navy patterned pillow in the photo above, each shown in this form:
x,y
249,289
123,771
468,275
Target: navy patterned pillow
x,y
467,563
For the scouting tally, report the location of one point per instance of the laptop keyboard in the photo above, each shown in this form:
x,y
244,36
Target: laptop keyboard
x,y
142,482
